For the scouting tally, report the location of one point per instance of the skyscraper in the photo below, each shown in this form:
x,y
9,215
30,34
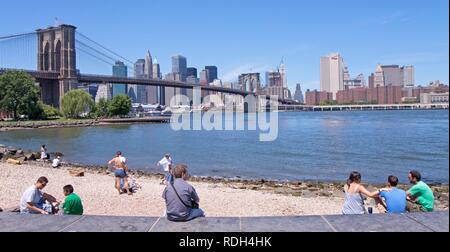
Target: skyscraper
x,y
204,77
192,71
299,94
139,90
282,70
408,76
148,68
212,73
120,70
179,65
332,73
394,75
157,75
156,70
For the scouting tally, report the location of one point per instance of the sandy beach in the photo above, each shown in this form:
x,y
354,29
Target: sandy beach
x,y
100,197
218,199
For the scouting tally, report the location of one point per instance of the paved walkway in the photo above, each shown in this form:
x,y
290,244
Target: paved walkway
x,y
414,222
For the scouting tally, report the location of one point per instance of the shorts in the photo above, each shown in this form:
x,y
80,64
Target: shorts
x,y
120,173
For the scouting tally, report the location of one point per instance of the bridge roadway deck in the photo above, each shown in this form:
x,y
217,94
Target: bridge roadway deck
x,y
413,222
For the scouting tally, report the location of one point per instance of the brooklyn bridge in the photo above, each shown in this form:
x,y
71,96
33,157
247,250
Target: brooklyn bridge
x,y
54,49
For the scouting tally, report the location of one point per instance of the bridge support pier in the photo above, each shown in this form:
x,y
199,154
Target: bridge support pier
x,y
50,93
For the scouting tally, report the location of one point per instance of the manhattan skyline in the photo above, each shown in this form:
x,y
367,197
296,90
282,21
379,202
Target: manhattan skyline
x,y
254,36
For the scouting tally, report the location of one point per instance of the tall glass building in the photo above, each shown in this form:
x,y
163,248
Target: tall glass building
x,y
120,70
212,73
179,65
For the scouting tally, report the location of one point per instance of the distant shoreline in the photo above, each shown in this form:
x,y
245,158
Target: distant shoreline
x,y
48,124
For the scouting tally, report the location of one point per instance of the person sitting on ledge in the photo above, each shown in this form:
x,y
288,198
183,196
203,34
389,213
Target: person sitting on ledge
x,y
181,198
420,194
354,200
72,203
33,200
394,198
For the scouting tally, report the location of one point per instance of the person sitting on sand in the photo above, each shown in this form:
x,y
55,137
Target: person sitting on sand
x,y
394,198
181,198
33,200
166,163
57,161
120,171
72,204
420,193
354,200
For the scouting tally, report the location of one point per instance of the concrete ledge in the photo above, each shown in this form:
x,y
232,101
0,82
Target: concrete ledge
x,y
414,222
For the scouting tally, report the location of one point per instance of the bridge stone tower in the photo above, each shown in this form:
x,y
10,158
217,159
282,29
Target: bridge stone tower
x,y
56,53
250,82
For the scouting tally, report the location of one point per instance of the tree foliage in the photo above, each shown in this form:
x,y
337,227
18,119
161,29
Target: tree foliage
x,y
101,109
48,111
19,95
120,105
77,104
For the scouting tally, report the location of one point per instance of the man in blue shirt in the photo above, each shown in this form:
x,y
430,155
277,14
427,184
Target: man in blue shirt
x,y
394,198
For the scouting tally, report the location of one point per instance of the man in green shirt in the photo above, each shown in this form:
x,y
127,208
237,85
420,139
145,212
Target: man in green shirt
x,y
420,193
72,203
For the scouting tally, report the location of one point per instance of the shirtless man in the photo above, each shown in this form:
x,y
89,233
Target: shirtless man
x,y
120,172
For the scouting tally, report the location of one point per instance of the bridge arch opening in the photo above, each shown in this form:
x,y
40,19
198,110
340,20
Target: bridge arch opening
x,y
58,56
47,56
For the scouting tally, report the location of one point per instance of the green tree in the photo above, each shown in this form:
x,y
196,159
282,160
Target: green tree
x,y
19,95
120,105
48,111
76,104
101,109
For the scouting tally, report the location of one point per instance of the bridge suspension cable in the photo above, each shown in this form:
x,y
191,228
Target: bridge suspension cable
x,y
103,47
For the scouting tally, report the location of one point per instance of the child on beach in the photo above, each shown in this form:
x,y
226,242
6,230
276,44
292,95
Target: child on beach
x,y
72,204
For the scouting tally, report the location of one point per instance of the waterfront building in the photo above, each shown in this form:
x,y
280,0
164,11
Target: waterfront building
x,y
332,73
120,70
313,98
212,73
429,98
179,65
298,95
192,71
389,94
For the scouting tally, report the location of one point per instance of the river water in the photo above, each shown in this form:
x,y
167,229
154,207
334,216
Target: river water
x,y
323,146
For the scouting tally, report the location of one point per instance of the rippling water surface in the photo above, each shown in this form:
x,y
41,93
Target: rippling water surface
x,y
316,146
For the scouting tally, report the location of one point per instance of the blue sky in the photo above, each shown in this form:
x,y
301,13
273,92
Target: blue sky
x,y
251,35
